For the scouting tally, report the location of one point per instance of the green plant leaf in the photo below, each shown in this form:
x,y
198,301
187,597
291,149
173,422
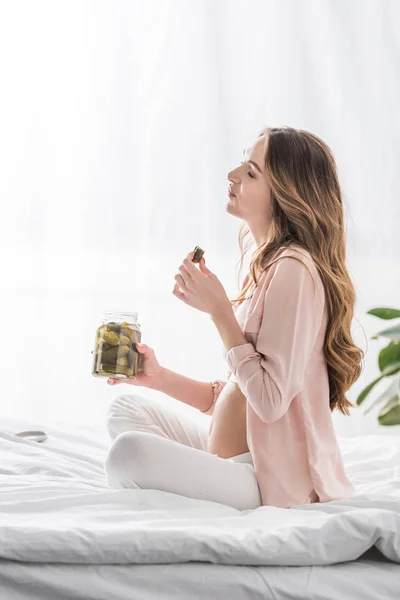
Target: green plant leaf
x,y
392,333
391,369
390,413
389,355
366,391
384,313
392,390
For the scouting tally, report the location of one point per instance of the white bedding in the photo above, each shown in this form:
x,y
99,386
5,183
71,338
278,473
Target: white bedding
x,y
56,507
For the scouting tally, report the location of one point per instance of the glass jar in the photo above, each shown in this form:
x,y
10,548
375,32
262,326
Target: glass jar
x,y
115,354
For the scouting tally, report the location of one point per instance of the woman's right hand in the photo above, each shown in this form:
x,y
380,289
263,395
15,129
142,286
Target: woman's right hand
x,y
149,372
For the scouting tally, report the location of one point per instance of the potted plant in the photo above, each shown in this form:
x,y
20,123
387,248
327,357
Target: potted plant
x,y
389,366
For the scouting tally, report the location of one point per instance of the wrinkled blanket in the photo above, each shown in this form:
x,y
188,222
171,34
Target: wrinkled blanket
x,y
56,506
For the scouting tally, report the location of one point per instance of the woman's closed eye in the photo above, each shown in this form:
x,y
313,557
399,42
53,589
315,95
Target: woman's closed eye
x,y
250,174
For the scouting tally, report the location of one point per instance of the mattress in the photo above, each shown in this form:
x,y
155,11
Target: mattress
x,y
65,534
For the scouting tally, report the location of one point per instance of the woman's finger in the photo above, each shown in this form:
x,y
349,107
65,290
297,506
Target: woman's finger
x,y
185,275
181,282
177,292
191,268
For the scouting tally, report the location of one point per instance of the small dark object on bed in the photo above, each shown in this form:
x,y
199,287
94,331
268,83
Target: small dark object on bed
x,y
32,436
198,253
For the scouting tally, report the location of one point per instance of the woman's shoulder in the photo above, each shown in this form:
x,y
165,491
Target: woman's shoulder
x,y
302,255
302,260
296,251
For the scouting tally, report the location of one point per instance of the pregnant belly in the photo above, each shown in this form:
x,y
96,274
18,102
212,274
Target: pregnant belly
x,y
227,435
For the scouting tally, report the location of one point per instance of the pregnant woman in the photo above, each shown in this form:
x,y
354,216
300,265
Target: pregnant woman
x,y
269,439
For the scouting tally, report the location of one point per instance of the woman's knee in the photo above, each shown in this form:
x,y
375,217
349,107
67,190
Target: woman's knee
x,y
125,463
125,402
121,413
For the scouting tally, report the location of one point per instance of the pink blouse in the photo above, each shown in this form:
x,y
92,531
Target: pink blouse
x,y
283,374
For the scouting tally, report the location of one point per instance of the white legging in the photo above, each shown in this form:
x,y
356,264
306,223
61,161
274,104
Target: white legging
x,y
154,447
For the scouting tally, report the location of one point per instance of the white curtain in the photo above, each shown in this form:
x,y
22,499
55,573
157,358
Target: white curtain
x,y
119,121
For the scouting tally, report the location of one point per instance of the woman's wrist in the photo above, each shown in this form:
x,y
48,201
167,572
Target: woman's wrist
x,y
159,379
198,394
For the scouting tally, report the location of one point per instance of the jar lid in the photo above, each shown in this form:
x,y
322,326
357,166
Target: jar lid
x,y
123,314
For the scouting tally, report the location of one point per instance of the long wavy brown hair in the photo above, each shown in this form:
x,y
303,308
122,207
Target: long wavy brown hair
x,y
307,210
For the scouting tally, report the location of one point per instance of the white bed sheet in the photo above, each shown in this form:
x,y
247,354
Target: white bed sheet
x,y
65,534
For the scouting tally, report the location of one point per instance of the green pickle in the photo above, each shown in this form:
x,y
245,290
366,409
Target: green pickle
x,y
198,253
115,352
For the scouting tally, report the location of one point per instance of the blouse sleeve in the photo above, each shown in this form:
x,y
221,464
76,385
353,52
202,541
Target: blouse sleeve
x,y
218,385
273,373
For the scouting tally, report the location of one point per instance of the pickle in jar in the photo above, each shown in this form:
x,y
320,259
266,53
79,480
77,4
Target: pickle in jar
x,y
115,350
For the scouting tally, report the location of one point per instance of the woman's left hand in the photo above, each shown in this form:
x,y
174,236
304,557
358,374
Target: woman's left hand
x,y
199,287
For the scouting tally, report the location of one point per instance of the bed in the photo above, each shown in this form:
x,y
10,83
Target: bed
x,y
64,534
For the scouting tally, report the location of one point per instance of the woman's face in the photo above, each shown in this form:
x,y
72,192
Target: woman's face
x,y
252,201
